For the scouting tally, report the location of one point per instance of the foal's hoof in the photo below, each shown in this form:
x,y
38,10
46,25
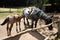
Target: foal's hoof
x,y
17,32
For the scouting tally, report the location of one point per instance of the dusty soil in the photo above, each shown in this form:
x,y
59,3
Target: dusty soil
x,y
29,35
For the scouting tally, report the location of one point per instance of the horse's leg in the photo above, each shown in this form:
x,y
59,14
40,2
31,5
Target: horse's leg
x,y
17,27
24,22
40,21
32,24
7,29
36,23
10,29
27,22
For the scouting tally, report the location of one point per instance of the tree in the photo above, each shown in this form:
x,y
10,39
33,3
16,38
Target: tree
x,y
40,4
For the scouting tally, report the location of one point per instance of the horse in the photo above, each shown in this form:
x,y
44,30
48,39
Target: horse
x,y
34,14
11,19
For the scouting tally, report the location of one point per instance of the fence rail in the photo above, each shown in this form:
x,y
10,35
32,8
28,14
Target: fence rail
x,y
20,33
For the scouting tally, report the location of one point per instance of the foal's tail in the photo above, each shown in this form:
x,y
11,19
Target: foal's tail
x,y
5,21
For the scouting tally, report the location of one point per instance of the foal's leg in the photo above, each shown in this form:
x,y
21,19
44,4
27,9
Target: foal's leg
x,y
17,27
7,29
10,29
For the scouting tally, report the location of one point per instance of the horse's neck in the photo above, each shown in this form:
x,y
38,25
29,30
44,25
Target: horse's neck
x,y
35,10
45,17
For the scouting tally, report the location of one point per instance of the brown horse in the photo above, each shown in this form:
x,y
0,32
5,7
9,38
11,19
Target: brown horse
x,y
11,20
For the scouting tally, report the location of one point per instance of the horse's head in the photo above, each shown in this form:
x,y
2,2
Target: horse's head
x,y
30,10
48,21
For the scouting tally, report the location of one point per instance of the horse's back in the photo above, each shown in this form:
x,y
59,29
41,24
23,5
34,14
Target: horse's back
x,y
13,18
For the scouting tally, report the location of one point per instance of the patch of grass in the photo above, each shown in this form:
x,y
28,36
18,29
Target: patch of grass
x,y
18,11
3,15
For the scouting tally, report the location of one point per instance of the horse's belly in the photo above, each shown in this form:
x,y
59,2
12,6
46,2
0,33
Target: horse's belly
x,y
34,17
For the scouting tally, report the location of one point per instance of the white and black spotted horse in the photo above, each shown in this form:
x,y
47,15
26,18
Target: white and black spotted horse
x,y
34,14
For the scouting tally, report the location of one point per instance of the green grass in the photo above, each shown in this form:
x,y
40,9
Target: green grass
x,y
19,11
3,15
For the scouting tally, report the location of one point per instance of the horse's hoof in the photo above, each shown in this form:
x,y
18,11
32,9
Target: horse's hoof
x,y
8,34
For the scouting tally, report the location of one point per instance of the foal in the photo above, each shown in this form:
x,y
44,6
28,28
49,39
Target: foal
x,y
11,20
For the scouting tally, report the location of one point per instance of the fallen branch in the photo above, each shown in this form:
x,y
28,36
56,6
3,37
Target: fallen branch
x,y
20,33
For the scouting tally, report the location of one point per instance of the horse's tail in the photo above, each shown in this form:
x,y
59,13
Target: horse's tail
x,y
5,21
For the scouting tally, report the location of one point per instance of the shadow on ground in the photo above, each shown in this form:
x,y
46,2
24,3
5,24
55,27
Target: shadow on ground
x,y
33,33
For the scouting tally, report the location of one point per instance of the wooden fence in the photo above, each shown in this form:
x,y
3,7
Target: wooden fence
x,y
20,33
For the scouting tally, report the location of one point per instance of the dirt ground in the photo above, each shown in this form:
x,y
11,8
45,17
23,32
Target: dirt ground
x,y
29,35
